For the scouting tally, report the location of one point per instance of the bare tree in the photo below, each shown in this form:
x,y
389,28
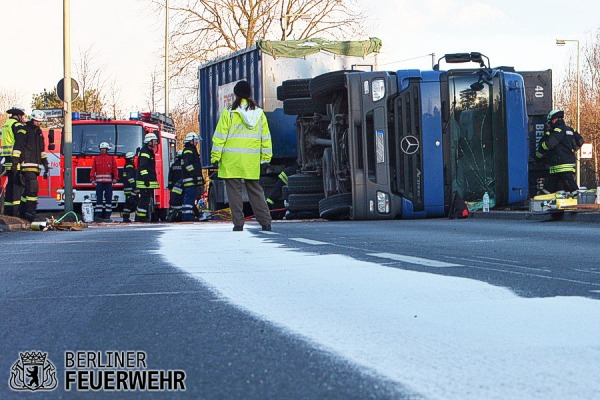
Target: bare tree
x,y
113,98
8,98
153,96
90,80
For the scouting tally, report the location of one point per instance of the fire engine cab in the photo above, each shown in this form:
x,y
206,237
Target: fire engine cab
x,y
89,130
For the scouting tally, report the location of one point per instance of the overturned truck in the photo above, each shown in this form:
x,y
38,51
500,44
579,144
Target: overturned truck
x,y
402,144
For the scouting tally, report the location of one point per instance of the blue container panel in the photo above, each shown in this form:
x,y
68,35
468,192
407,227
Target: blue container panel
x,y
244,64
283,133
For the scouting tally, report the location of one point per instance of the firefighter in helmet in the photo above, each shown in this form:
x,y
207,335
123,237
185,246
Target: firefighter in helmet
x,y
129,190
191,169
103,174
146,177
28,153
9,131
176,189
558,147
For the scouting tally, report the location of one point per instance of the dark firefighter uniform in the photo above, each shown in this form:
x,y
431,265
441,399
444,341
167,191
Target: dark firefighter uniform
x,y
129,190
146,183
558,147
176,189
29,153
281,182
192,178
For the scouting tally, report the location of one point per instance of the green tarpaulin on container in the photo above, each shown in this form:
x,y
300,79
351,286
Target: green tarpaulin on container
x,y
302,48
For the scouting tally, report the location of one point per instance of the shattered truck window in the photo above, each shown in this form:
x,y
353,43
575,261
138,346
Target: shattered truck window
x,y
472,129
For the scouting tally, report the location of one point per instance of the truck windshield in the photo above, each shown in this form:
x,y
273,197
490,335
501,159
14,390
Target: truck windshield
x,y
121,138
475,125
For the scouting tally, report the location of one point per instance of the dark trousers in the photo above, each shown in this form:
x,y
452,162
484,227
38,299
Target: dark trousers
x,y
130,204
561,181
189,201
29,197
104,192
142,212
256,197
12,197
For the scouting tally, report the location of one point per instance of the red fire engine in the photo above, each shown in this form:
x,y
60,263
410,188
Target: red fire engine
x,y
89,130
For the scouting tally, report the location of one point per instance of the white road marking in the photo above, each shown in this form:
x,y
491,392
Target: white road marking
x,y
308,241
414,260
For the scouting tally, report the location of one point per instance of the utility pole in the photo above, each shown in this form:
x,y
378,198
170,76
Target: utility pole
x,y
167,58
67,129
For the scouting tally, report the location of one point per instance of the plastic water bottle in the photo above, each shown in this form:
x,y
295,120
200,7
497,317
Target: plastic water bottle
x,y
486,202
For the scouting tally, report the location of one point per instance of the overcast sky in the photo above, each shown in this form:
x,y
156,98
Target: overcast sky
x,y
127,38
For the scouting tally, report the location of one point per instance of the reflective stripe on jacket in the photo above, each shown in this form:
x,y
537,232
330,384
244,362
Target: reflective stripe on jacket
x,y
8,140
241,142
146,169
104,169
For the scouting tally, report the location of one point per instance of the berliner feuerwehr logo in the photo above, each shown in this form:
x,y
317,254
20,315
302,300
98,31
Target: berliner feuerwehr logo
x,y
33,371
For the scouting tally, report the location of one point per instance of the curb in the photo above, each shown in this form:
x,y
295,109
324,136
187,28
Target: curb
x,y
557,215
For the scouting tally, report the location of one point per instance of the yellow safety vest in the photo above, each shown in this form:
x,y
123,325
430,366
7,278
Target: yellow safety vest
x,y
8,140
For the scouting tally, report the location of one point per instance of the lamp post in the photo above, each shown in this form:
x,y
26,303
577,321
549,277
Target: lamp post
x,y
562,42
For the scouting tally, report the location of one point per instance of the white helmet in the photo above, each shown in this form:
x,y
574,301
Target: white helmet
x,y
104,145
149,137
191,136
179,152
130,154
16,110
38,115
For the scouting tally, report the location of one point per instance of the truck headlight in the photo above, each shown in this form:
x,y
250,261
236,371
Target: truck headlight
x,y
377,89
383,203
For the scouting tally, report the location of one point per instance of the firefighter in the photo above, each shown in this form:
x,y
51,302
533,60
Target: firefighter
x,y
176,189
558,146
28,153
241,143
175,170
192,175
129,187
9,130
104,174
282,181
146,177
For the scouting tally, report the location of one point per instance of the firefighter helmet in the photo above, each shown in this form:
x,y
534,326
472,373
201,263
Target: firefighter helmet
x,y
16,110
555,114
38,115
191,136
130,154
179,152
149,137
104,145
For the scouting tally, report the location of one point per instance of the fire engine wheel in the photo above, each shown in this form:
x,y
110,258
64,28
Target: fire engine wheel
x,y
305,183
324,87
336,207
304,202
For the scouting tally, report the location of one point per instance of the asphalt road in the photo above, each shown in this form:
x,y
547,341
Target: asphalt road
x,y
105,288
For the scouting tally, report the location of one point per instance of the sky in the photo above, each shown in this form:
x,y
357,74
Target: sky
x,y
442,337
127,38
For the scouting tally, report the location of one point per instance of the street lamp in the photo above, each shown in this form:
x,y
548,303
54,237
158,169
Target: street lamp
x,y
562,42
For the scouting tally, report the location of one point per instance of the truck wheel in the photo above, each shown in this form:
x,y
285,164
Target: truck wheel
x,y
304,202
294,88
336,207
303,106
324,87
305,183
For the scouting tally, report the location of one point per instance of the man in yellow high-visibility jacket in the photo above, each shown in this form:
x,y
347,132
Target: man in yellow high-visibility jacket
x,y
241,143
12,198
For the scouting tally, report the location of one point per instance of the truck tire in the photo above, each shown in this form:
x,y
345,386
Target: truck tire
x,y
213,204
280,93
294,88
305,183
303,106
336,207
324,87
304,202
